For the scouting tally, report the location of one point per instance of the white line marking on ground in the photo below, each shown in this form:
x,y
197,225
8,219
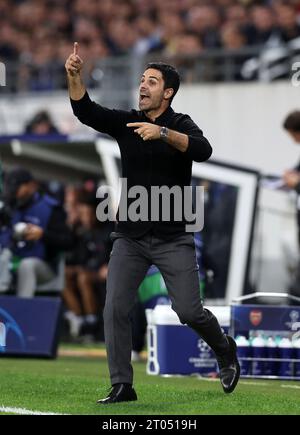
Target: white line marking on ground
x,y
260,384
23,411
256,384
207,379
296,387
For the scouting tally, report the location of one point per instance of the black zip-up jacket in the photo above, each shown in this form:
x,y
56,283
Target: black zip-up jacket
x,y
148,163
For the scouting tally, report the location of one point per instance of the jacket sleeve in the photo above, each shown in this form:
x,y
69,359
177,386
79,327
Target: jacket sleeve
x,y
297,188
100,118
57,234
199,148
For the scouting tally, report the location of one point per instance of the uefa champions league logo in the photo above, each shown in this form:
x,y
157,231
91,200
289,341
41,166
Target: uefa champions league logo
x,y
8,325
294,324
204,349
294,316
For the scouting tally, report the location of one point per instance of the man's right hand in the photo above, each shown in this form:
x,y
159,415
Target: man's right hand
x,y
291,179
74,63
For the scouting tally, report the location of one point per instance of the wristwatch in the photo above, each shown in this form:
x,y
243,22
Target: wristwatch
x,y
164,132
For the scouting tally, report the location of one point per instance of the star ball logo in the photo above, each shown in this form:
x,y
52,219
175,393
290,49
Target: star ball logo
x,y
204,349
9,327
296,75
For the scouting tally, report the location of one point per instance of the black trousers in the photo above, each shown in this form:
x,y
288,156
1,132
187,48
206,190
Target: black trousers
x,y
129,262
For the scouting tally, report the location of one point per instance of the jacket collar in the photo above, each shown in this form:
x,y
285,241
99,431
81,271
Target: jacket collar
x,y
165,116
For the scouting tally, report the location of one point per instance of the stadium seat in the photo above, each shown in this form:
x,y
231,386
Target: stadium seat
x,y
56,285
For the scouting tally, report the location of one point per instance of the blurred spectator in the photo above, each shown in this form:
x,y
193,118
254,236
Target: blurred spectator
x,y
288,23
5,252
72,194
37,34
41,124
205,20
237,14
38,233
149,38
232,37
86,270
121,36
264,30
187,47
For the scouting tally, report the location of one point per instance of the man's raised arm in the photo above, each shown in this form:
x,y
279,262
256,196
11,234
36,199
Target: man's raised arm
x,y
87,111
73,67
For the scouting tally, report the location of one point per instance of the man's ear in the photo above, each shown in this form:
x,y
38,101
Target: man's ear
x,y
168,93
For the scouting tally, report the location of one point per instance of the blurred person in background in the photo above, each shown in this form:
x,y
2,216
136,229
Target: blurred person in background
x,y
86,271
187,47
263,29
71,204
149,36
288,22
38,233
291,179
171,26
205,20
31,32
233,40
232,37
41,124
5,252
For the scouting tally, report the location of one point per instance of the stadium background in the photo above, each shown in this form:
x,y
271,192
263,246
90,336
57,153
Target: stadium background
x,y
235,59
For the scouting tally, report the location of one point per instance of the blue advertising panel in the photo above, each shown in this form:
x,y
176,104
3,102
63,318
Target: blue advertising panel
x,y
29,327
268,340
265,317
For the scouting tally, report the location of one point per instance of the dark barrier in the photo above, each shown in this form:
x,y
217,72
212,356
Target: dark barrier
x,y
29,327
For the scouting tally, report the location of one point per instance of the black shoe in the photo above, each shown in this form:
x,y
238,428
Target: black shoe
x,y
119,393
229,367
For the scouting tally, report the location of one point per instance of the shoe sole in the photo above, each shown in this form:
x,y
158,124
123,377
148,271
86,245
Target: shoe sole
x,y
100,402
233,343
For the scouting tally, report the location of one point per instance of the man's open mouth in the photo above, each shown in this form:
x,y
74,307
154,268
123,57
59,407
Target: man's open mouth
x,y
143,97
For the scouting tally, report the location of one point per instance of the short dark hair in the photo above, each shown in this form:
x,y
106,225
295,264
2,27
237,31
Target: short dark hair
x,y
170,75
292,121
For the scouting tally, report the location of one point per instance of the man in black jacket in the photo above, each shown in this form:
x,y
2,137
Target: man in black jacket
x,y
157,147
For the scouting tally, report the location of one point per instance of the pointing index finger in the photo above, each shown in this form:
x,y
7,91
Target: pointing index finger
x,y
75,52
135,124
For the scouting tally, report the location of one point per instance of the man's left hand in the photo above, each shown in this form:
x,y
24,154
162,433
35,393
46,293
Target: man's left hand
x,y
33,232
146,130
